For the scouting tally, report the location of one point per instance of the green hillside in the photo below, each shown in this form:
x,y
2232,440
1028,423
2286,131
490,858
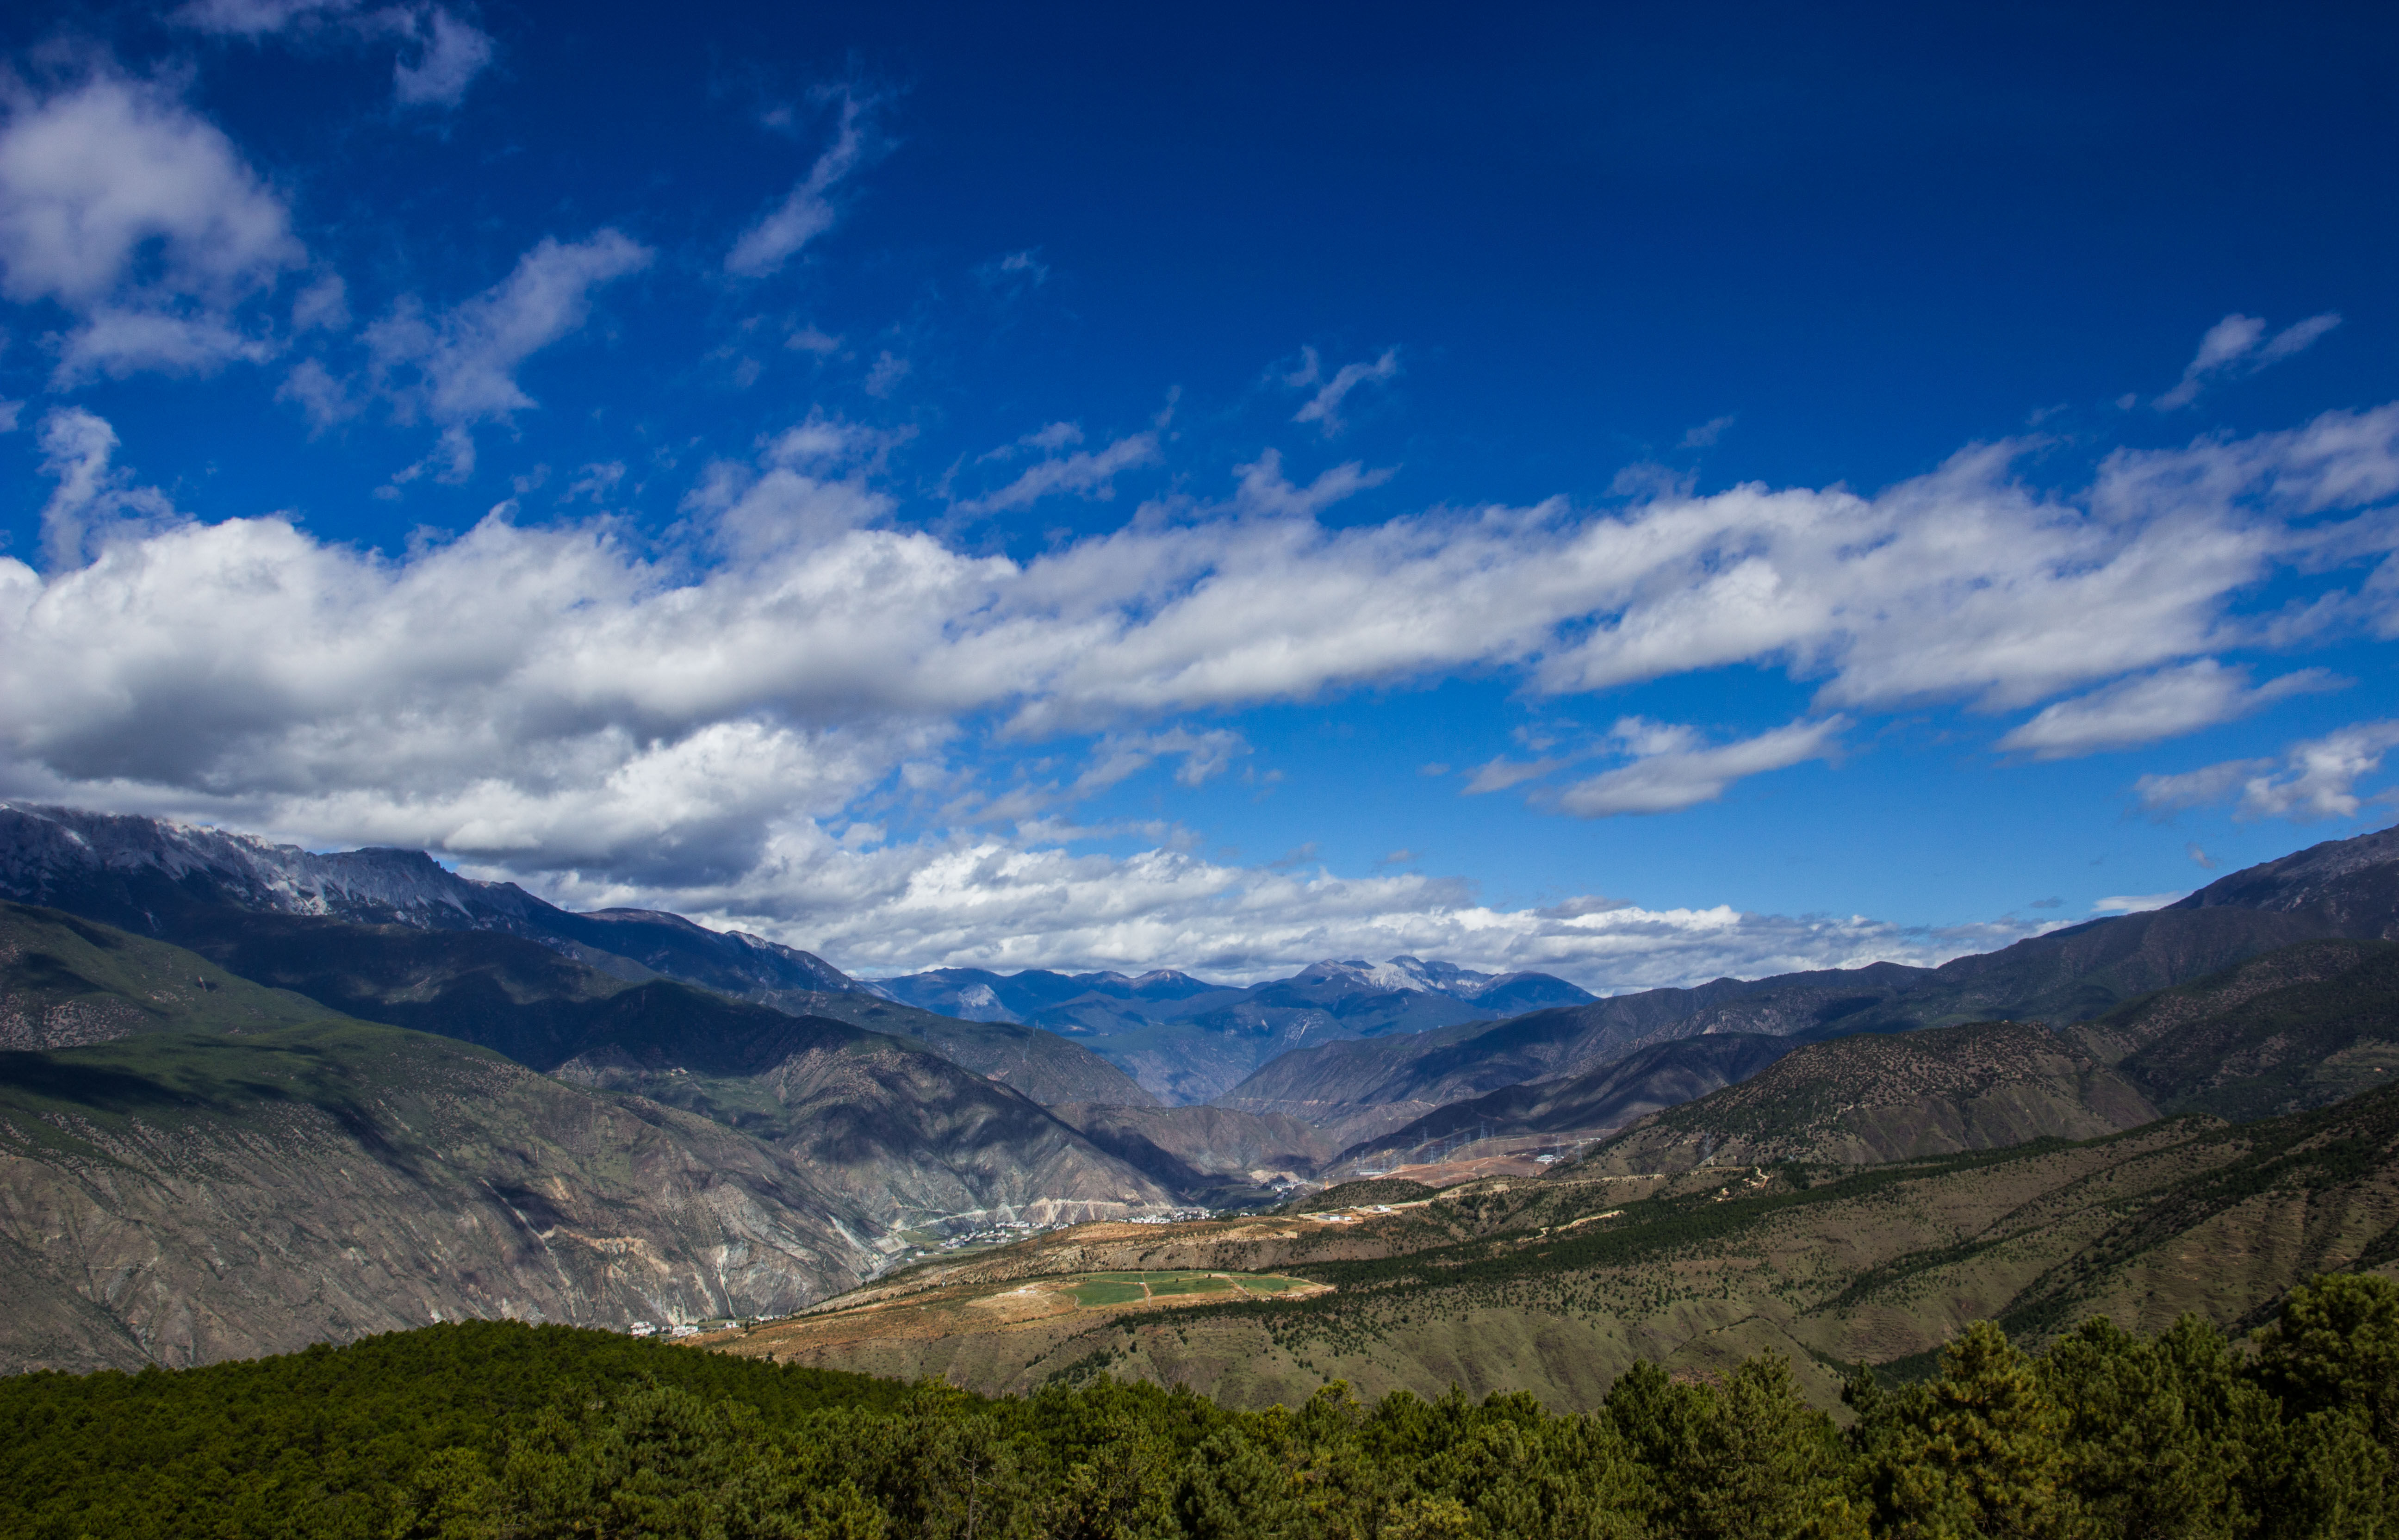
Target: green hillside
x,y
65,980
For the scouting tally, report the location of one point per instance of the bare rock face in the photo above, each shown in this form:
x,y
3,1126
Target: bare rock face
x,y
242,1168
181,1198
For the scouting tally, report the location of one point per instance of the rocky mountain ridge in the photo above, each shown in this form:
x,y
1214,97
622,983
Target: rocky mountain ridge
x,y
1363,1088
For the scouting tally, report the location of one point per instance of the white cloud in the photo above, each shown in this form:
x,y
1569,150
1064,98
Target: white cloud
x,y
1323,408
1673,769
798,658
141,220
1204,755
1500,773
993,902
1022,269
2238,344
449,51
807,211
459,368
316,391
93,503
450,54
1087,473
2316,779
2136,903
2161,705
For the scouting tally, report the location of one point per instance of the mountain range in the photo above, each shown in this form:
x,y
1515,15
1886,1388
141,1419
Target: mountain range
x,y
1189,1041
257,1096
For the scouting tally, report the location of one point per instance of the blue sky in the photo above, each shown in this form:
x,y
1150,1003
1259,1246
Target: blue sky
x,y
1642,493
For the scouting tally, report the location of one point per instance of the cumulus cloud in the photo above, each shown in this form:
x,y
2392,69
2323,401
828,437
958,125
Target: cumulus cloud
x,y
2238,344
995,902
708,720
1323,408
2161,705
140,220
1674,768
459,368
807,211
2316,779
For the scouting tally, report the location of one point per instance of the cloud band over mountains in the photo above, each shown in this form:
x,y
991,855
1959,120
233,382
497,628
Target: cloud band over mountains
x,y
726,721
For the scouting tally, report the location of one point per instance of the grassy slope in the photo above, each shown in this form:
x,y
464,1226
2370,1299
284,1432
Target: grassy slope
x,y
65,980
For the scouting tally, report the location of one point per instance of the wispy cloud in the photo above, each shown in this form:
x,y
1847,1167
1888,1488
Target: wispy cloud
x,y
2313,779
1323,408
1674,768
459,367
2239,344
1088,473
2161,705
1706,435
2136,903
94,500
806,210
440,51
449,54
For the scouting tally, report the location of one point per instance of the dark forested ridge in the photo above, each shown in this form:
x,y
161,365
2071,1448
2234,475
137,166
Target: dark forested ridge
x,y
497,1429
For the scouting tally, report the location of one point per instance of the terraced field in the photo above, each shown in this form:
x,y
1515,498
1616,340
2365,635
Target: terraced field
x,y
1557,1286
1022,1319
